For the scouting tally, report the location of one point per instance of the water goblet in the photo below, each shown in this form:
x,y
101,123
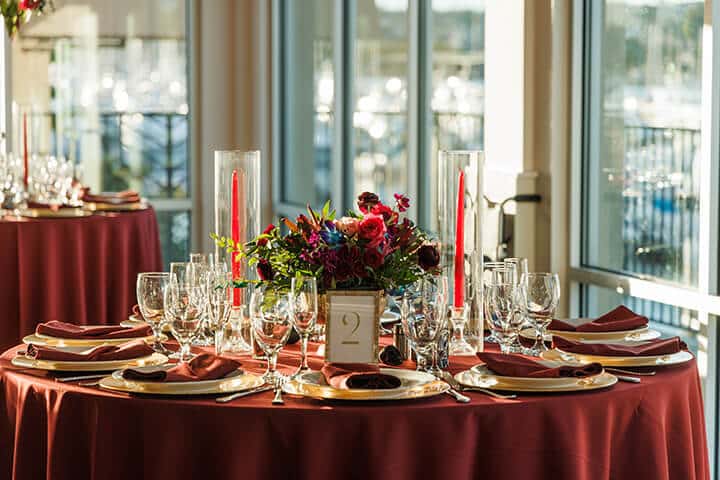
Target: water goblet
x,y
495,272
501,310
424,316
150,290
183,313
304,302
220,290
270,314
539,296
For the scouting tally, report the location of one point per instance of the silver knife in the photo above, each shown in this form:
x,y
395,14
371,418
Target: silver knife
x,y
82,377
260,389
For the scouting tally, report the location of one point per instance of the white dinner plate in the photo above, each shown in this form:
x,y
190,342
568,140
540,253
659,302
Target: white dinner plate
x,y
106,366
682,356
235,382
482,377
637,335
414,384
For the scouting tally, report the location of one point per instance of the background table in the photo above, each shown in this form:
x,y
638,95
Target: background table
x,y
653,430
80,270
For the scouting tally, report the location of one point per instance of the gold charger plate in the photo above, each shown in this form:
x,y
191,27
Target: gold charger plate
x,y
480,376
237,382
637,335
115,207
25,362
48,341
49,213
682,356
414,384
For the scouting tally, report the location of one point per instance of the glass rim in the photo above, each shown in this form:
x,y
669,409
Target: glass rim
x,y
154,274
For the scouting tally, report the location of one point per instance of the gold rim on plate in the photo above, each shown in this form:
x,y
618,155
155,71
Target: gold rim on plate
x,y
49,213
484,378
25,362
115,207
133,322
682,356
237,382
48,341
414,384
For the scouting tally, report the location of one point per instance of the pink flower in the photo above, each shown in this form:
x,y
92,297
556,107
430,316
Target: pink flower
x,y
347,225
403,202
372,229
387,213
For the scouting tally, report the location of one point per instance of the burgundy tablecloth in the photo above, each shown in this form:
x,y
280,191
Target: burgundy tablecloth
x,y
80,270
653,430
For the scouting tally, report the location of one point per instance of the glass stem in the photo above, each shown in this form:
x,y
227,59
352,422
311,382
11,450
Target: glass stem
x,y
272,362
434,358
303,351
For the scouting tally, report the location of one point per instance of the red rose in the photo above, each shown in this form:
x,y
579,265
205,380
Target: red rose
x,y
265,271
373,258
366,201
268,229
372,229
386,212
428,257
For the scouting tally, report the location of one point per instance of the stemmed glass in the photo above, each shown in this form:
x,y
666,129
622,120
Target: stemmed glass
x,y
270,314
220,291
500,308
304,302
424,316
183,311
200,269
496,272
151,288
539,296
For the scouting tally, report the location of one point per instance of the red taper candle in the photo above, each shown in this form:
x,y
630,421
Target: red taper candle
x,y
235,235
459,286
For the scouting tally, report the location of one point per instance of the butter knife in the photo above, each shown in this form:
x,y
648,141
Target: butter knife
x,y
260,389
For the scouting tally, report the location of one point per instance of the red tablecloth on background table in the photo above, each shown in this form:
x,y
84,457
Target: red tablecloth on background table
x,y
652,430
79,270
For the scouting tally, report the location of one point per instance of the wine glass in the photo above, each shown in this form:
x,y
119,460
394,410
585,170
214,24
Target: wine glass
x,y
304,302
500,308
270,313
150,290
199,269
503,271
424,316
183,312
521,268
179,270
220,290
539,296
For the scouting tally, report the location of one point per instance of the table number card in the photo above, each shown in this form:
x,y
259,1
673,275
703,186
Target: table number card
x,y
351,330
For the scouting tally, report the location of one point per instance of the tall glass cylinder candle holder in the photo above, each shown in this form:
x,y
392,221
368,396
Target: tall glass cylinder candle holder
x,y
460,205
237,209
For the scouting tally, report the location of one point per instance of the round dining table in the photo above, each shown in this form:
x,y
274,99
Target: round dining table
x,y
76,270
651,430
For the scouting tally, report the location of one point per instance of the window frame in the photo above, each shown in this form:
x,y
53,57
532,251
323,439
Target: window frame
x,y
703,299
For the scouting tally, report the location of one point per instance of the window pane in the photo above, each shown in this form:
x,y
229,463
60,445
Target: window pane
x,y
642,177
380,88
105,84
308,85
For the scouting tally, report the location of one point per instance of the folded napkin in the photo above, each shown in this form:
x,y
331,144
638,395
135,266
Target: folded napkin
x,y
116,198
136,311
205,366
358,375
517,366
103,353
652,347
103,332
616,320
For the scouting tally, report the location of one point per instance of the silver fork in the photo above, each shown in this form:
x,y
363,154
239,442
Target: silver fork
x,y
277,399
630,372
460,387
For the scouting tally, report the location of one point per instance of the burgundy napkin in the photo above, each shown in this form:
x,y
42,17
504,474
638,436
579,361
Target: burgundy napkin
x,y
358,375
136,311
103,353
69,331
516,366
115,198
616,320
653,347
205,366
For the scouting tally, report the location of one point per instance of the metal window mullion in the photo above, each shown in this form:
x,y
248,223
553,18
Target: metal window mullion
x,y
419,86
343,155
278,114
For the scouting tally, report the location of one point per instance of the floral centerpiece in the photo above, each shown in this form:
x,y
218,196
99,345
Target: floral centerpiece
x,y
377,248
16,12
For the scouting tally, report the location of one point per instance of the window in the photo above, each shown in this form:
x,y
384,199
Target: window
x,y
109,92
379,86
645,219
